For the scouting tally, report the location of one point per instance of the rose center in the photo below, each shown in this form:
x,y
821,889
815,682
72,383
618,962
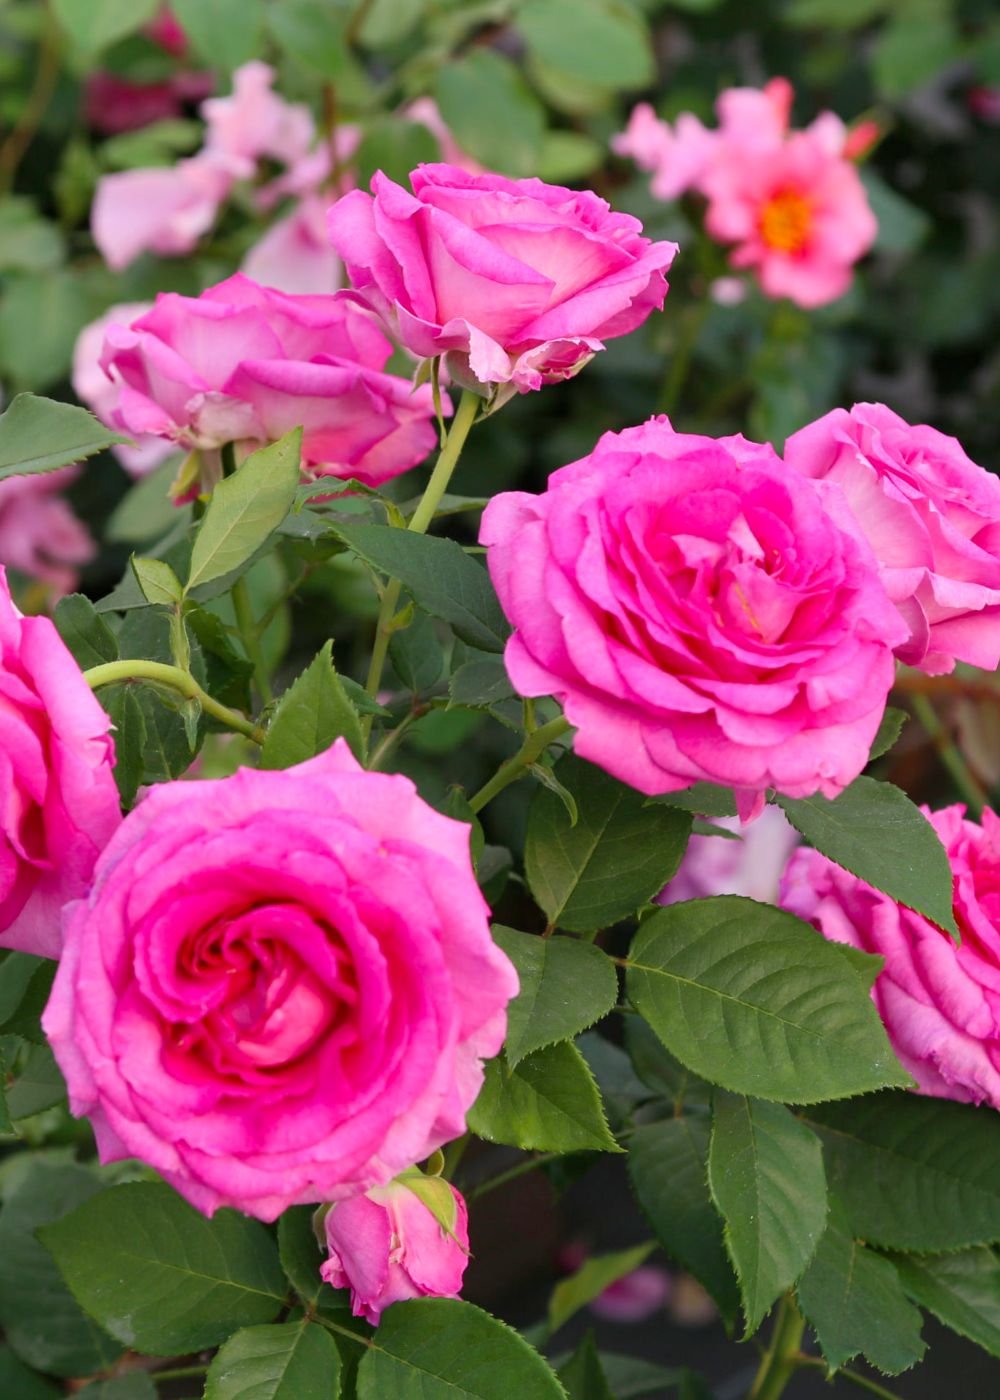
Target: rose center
x,y
786,222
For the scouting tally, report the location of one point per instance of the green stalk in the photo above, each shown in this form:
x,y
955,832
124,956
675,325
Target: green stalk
x,y
533,747
114,672
250,638
948,752
782,1358
423,515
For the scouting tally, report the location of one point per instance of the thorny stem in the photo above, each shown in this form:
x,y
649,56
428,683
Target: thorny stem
x,y
423,515
114,672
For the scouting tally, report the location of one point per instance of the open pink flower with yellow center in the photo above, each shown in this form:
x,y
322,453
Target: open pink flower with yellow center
x,y
798,214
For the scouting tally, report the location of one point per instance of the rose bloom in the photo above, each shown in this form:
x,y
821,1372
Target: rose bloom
x,y
40,535
751,866
99,393
698,614
58,799
515,281
280,986
163,210
932,518
940,1002
387,1246
246,364
294,255
798,214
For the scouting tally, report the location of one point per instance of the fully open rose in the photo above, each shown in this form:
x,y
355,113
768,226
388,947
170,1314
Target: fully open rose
x,y
244,363
281,986
58,799
515,281
932,518
388,1245
940,1001
700,613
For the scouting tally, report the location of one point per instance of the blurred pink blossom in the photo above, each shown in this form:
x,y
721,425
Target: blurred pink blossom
x,y
39,534
294,254
751,866
635,1297
95,389
112,104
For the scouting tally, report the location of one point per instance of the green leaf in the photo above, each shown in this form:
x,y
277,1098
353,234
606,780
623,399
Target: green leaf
x,y
565,987
395,147
41,315
146,511
888,732
41,1319
38,1086
633,1377
246,508
17,1381
157,580
707,799
312,713
444,580
914,1173
86,634
122,706
416,654
28,243
133,1385
222,33
491,112
25,984
548,1102
854,1301
290,1361
311,33
40,435
583,1376
658,1069
835,14
480,684
591,1279
568,156
385,22
301,1258
765,1172
873,830
963,1290
595,41
92,25
902,227
161,1277
441,1347
757,1001
920,40
668,1168
619,854
6,1125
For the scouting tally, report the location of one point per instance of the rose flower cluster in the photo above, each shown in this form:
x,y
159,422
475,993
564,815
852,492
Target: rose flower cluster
x,y
280,987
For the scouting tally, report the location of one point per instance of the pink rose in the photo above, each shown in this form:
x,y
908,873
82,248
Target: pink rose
x,y
797,212
242,363
932,518
515,280
253,122
387,1246
39,534
698,614
940,1003
161,210
751,866
94,389
295,255
58,799
281,985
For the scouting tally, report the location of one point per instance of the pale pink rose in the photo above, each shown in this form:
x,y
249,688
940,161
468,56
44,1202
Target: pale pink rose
x,y
635,1297
39,534
94,389
676,156
515,281
940,1002
295,254
751,866
59,800
932,518
245,364
698,615
253,122
425,111
281,985
798,214
387,1246
162,210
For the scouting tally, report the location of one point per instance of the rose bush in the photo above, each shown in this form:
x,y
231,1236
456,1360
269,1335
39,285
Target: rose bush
x,y
515,281
280,987
698,614
58,799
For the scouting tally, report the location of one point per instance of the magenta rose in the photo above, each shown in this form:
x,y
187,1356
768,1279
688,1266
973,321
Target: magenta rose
x,y
246,364
940,1002
58,799
932,518
700,611
281,986
515,281
387,1245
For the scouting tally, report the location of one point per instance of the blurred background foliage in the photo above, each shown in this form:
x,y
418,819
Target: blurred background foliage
x,y
532,87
